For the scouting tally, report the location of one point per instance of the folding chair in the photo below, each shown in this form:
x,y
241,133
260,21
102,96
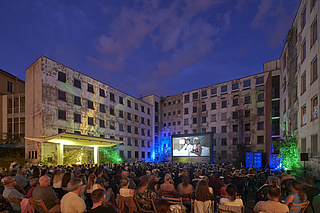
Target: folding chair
x,y
141,203
37,203
301,206
21,189
231,209
175,201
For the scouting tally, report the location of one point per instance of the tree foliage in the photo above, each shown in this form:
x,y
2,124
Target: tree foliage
x,y
288,152
109,155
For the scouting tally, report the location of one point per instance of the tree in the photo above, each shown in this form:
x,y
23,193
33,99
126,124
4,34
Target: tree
x,y
109,155
288,152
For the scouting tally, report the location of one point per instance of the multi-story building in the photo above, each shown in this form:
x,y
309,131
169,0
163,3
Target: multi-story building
x,y
237,112
65,108
300,84
12,107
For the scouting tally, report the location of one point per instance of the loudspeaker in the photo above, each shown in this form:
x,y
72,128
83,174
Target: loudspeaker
x,y
304,156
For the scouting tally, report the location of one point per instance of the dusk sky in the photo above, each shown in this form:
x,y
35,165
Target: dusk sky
x,y
161,47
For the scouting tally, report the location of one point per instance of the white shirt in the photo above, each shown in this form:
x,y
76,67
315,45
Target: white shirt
x,y
227,202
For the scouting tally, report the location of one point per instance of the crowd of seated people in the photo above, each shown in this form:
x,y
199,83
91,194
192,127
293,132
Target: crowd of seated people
x,y
120,187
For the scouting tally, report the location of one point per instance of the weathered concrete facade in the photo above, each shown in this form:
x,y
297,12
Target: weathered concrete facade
x,y
60,99
235,111
300,84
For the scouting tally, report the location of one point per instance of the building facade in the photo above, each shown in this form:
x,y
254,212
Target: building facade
x,y
300,84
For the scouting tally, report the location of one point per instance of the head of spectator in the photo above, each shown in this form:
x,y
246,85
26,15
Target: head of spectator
x,y
124,174
167,178
163,206
202,191
83,179
91,181
97,197
144,180
125,182
226,180
65,179
44,181
288,172
273,193
297,188
309,182
74,185
231,191
185,181
9,181
34,182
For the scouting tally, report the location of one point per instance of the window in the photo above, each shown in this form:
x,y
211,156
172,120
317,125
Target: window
x,y
112,125
235,115
224,89
90,104
260,111
136,118
129,155
76,83
112,111
314,108
235,128
136,106
143,132
194,120
62,95
247,113
149,154
247,126
121,127
303,115
303,50
247,84
179,112
90,88
234,141
112,96
149,111
102,123
203,107
194,109
149,122
314,33
120,100
214,142
136,130
186,121
260,139
260,97
128,103
77,100
186,98
77,118
129,142
194,96
102,92
61,130
90,121
62,76
10,86
247,99
260,125
247,140
62,114
303,82
143,155
214,92
303,145
259,81
303,18
213,129
164,114
223,141
204,93
235,102
102,108
213,118
223,116
142,108
129,129
142,120
235,86
186,111
223,129
174,113
314,145
136,142
223,104
129,116
203,119
314,70
214,105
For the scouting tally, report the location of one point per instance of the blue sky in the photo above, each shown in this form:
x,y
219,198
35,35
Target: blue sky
x,y
143,47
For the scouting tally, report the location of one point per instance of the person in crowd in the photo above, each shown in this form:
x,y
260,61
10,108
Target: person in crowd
x,y
273,204
308,182
153,182
57,183
144,193
197,149
231,199
100,180
288,176
185,187
297,196
11,193
84,187
202,192
46,194
33,183
22,181
163,206
98,198
223,189
125,174
167,186
71,202
124,190
65,180
207,180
